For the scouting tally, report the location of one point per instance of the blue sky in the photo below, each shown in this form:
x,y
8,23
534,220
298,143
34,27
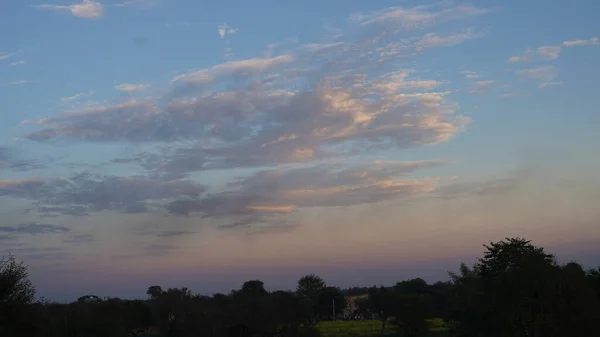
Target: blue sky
x,y
142,140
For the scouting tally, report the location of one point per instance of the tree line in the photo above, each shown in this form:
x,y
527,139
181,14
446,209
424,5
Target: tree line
x,y
516,289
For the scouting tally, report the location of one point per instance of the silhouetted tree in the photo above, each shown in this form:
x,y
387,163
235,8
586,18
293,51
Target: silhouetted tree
x,y
309,289
382,302
518,289
410,314
17,295
326,300
310,286
154,291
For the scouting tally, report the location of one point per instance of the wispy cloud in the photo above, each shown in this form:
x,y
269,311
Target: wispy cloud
x,y
34,229
546,52
419,16
4,56
543,73
132,87
146,3
87,9
16,63
225,30
550,84
433,40
550,52
18,82
509,95
574,43
78,239
481,86
527,56
471,75
284,191
69,99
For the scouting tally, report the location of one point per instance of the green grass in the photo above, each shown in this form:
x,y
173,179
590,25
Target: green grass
x,y
371,328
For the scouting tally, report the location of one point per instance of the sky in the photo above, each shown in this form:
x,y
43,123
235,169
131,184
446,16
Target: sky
x,y
203,143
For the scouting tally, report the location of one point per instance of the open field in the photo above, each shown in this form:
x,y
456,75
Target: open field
x,y
369,328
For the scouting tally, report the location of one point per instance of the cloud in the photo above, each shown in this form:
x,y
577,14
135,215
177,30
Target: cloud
x,y
78,239
225,30
550,84
316,47
131,87
4,56
284,191
87,9
243,68
481,86
69,99
527,56
284,115
471,75
433,40
543,73
21,187
145,3
34,229
509,95
18,82
478,188
13,159
550,52
546,52
16,63
419,16
37,253
166,234
574,43
89,193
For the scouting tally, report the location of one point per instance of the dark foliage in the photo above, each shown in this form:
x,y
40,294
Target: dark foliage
x,y
516,289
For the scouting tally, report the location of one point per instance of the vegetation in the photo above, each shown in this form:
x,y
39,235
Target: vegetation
x,y
516,289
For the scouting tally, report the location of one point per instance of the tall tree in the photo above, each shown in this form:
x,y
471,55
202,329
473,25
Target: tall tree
x,y
17,295
154,291
309,289
15,287
517,289
310,286
331,299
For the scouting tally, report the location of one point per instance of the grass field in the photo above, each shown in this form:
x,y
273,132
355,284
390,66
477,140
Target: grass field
x,y
370,328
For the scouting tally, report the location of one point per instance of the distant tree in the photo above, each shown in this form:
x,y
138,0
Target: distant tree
x,y
382,302
411,313
254,287
154,291
412,286
594,277
309,289
441,293
310,286
329,299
